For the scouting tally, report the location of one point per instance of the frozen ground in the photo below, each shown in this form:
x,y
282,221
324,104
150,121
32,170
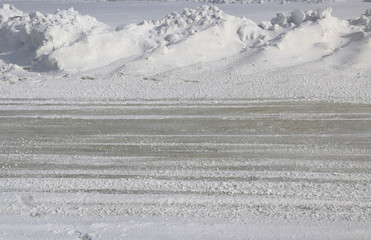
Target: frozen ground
x,y
199,124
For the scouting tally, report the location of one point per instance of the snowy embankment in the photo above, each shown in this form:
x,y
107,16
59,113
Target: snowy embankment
x,y
203,46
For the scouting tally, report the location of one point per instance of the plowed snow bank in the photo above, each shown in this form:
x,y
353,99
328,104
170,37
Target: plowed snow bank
x,y
68,41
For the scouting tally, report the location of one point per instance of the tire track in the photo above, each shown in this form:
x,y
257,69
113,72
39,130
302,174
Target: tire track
x,y
191,158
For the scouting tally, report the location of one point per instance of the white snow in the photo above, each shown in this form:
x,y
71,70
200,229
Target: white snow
x,y
202,45
69,42
188,121
28,39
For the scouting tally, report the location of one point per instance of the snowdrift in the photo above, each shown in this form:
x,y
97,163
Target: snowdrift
x,y
69,42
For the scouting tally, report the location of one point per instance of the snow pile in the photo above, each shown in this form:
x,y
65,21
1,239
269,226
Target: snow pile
x,y
287,40
194,32
198,35
305,36
68,42
32,37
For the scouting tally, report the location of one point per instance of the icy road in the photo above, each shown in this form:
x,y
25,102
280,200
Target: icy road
x,y
232,159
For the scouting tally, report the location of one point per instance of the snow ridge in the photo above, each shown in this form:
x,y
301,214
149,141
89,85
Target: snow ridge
x,y
69,42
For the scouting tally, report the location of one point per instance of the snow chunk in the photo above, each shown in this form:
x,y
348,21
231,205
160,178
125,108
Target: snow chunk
x,y
363,20
322,13
297,17
177,26
280,19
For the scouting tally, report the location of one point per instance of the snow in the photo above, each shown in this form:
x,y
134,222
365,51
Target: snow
x,y
69,42
87,45
34,36
51,49
165,169
177,120
139,228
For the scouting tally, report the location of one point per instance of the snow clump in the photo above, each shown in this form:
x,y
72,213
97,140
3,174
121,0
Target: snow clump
x,y
363,20
297,17
175,26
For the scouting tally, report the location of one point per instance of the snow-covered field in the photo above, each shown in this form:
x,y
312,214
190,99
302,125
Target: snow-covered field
x,y
228,121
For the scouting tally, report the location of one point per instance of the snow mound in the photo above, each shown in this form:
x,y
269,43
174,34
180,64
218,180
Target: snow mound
x,y
305,36
137,40
198,35
34,36
69,42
